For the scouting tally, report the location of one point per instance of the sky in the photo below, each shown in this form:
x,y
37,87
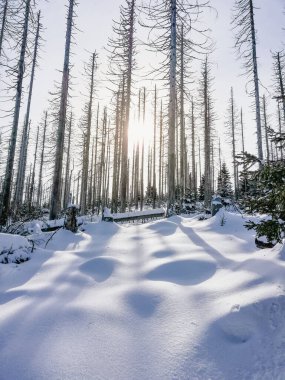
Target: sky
x,y
94,23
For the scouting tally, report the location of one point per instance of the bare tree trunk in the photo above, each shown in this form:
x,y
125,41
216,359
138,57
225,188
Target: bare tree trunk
x,y
265,128
154,150
31,194
3,25
194,176
115,160
90,179
256,84
67,169
281,84
40,185
124,162
160,191
6,193
183,163
56,186
172,107
23,151
85,166
280,129
207,135
95,193
102,160
233,130
142,155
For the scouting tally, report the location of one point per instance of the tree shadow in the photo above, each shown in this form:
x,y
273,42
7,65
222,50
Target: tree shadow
x,y
207,248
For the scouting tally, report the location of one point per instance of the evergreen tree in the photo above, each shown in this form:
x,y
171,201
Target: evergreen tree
x,y
269,200
202,188
224,188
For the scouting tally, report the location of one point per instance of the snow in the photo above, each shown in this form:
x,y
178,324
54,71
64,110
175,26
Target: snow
x,y
172,299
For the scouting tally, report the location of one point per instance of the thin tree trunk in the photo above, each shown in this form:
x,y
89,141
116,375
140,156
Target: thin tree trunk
x,y
30,201
85,166
194,179
67,169
40,185
142,155
154,150
124,163
266,128
172,106
256,84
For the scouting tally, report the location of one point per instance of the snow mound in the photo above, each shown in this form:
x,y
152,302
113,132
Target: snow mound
x,y
165,227
14,249
100,268
183,272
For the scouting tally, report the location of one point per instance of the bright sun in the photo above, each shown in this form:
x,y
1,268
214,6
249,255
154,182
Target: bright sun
x,y
140,132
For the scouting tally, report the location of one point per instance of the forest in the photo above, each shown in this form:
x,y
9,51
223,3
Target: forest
x,y
153,141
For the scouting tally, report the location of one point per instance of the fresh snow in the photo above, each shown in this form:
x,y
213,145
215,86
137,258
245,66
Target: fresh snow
x,y
174,299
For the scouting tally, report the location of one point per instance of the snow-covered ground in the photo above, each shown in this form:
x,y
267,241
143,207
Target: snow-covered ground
x,y
173,299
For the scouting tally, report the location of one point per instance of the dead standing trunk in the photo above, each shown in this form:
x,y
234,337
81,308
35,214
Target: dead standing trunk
x,y
56,186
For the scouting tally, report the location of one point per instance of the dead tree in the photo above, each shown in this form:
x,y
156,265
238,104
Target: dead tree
x,y
40,184
231,125
206,115
32,184
6,191
87,121
24,145
193,142
58,164
245,43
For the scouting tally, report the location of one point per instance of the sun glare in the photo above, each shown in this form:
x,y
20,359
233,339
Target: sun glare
x,y
140,132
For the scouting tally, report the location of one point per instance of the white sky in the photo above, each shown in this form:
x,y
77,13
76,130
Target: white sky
x,y
95,22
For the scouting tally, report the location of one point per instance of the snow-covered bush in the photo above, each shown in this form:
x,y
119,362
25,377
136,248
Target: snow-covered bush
x,y
14,249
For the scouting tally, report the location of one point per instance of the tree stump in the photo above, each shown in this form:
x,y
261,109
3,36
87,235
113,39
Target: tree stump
x,y
70,222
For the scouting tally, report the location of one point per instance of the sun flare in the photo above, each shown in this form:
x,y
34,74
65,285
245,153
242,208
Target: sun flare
x,y
140,132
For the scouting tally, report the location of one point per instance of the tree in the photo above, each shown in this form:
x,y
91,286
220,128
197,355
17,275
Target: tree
x,y
245,44
87,120
270,200
6,192
231,124
56,185
224,188
202,188
207,117
279,73
24,143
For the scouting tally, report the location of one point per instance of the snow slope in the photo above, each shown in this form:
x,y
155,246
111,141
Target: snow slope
x,y
173,299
